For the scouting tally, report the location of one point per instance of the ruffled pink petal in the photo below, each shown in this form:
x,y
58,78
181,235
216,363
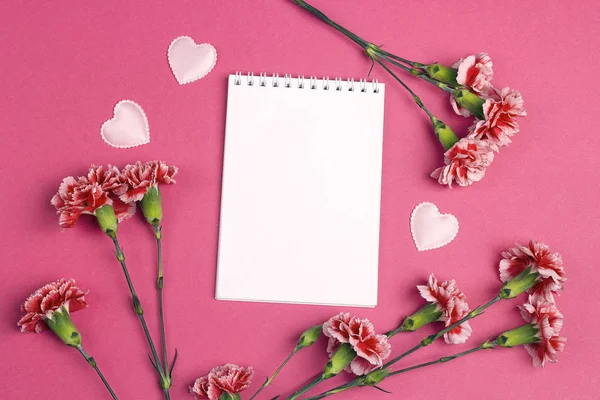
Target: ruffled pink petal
x,y
337,327
466,163
136,179
359,366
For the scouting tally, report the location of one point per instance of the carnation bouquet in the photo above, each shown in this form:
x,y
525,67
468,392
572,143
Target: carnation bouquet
x,y
354,346
468,84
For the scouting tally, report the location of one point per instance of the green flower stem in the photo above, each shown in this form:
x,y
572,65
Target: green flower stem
x,y
483,346
330,22
415,68
270,379
352,36
339,389
388,55
92,362
394,332
416,98
314,382
160,285
418,73
139,312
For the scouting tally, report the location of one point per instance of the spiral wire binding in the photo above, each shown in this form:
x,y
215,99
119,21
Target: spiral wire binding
x,y
313,82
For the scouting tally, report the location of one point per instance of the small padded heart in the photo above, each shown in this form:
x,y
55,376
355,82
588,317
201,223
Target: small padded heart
x,y
127,128
430,229
190,61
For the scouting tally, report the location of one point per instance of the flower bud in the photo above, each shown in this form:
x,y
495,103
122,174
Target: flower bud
x,y
152,206
309,337
441,73
519,284
426,315
525,334
339,360
61,324
470,101
444,134
376,376
107,220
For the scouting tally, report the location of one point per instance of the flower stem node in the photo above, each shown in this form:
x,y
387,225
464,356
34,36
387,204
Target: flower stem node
x,y
428,340
309,337
107,220
525,334
61,324
339,360
376,376
445,135
519,284
441,73
137,306
152,206
371,50
165,382
470,101
426,315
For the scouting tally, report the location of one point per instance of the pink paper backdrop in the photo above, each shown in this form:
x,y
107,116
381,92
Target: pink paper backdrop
x,y
63,66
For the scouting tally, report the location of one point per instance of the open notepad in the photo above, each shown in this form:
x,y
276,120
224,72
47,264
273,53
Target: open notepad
x,y
301,191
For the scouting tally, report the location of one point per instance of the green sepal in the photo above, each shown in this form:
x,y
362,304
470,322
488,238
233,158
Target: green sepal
x,y
519,284
525,334
61,324
107,220
470,101
426,315
309,337
339,360
442,73
229,396
152,206
445,135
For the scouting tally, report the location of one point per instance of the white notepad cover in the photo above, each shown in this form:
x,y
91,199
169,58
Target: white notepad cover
x,y
301,191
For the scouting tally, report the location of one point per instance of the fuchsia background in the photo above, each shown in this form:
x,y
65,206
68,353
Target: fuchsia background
x,y
63,66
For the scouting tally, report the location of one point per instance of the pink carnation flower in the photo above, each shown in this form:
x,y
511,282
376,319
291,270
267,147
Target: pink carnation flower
x,y
474,72
466,163
138,178
500,123
228,378
549,322
49,298
453,305
86,194
536,255
371,349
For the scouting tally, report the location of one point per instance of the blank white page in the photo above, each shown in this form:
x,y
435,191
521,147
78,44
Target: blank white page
x,y
301,191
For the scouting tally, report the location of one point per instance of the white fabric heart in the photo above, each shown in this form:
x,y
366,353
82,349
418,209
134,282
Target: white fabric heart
x,y
190,61
430,229
127,128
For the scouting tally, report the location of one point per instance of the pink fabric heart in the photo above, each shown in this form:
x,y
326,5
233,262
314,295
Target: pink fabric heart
x,y
127,128
430,229
190,61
